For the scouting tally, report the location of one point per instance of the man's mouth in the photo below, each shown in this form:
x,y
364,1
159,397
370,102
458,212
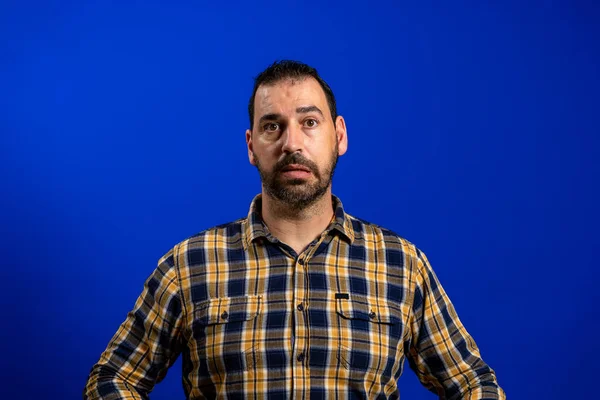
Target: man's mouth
x,y
295,167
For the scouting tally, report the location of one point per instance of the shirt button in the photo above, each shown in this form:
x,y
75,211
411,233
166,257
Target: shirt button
x,y
300,307
225,315
300,357
301,261
372,315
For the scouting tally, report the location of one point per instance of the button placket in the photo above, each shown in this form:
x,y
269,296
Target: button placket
x,y
299,371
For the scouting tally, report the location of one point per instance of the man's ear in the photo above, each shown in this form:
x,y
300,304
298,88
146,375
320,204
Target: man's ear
x,y
341,135
249,145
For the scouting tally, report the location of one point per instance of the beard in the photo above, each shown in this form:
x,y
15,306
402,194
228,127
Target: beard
x,y
297,193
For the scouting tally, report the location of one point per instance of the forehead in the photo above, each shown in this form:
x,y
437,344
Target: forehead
x,y
285,96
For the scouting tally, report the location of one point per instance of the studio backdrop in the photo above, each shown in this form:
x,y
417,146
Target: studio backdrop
x,y
473,133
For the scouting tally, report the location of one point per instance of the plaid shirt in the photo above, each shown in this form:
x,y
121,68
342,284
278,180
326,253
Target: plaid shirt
x,y
253,319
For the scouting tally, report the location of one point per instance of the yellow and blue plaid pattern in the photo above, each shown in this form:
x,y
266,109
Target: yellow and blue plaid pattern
x,y
253,319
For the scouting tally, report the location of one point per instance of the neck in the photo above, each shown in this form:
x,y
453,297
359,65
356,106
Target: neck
x,y
297,228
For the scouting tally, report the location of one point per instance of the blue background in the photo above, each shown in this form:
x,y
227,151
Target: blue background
x,y
473,132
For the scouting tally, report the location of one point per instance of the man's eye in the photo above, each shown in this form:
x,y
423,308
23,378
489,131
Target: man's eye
x,y
271,127
310,123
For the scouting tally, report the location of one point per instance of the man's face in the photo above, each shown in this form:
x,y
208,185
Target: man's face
x,y
294,143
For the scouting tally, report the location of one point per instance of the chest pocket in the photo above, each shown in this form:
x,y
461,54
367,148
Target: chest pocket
x,y
223,330
369,334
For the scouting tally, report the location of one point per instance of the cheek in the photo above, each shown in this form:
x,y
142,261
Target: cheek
x,y
267,153
263,159
322,147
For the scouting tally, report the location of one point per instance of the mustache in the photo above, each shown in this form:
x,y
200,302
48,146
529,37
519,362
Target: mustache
x,y
297,159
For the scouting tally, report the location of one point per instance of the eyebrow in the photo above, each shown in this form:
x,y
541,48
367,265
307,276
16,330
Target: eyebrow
x,y
299,110
269,117
307,109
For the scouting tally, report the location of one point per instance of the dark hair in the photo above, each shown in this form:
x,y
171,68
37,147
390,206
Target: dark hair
x,y
286,69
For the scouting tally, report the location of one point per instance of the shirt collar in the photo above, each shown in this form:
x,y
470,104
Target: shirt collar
x,y
255,227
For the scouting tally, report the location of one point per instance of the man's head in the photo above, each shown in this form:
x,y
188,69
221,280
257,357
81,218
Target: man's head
x,y
296,135
294,70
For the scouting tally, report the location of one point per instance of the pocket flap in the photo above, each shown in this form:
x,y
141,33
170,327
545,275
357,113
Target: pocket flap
x,y
227,309
354,306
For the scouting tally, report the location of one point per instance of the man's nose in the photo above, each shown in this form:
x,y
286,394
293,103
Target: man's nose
x,y
293,139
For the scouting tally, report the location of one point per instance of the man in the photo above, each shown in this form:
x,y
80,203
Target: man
x,y
298,299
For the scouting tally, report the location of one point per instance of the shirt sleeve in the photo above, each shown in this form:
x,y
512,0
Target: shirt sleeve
x,y
442,354
146,344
